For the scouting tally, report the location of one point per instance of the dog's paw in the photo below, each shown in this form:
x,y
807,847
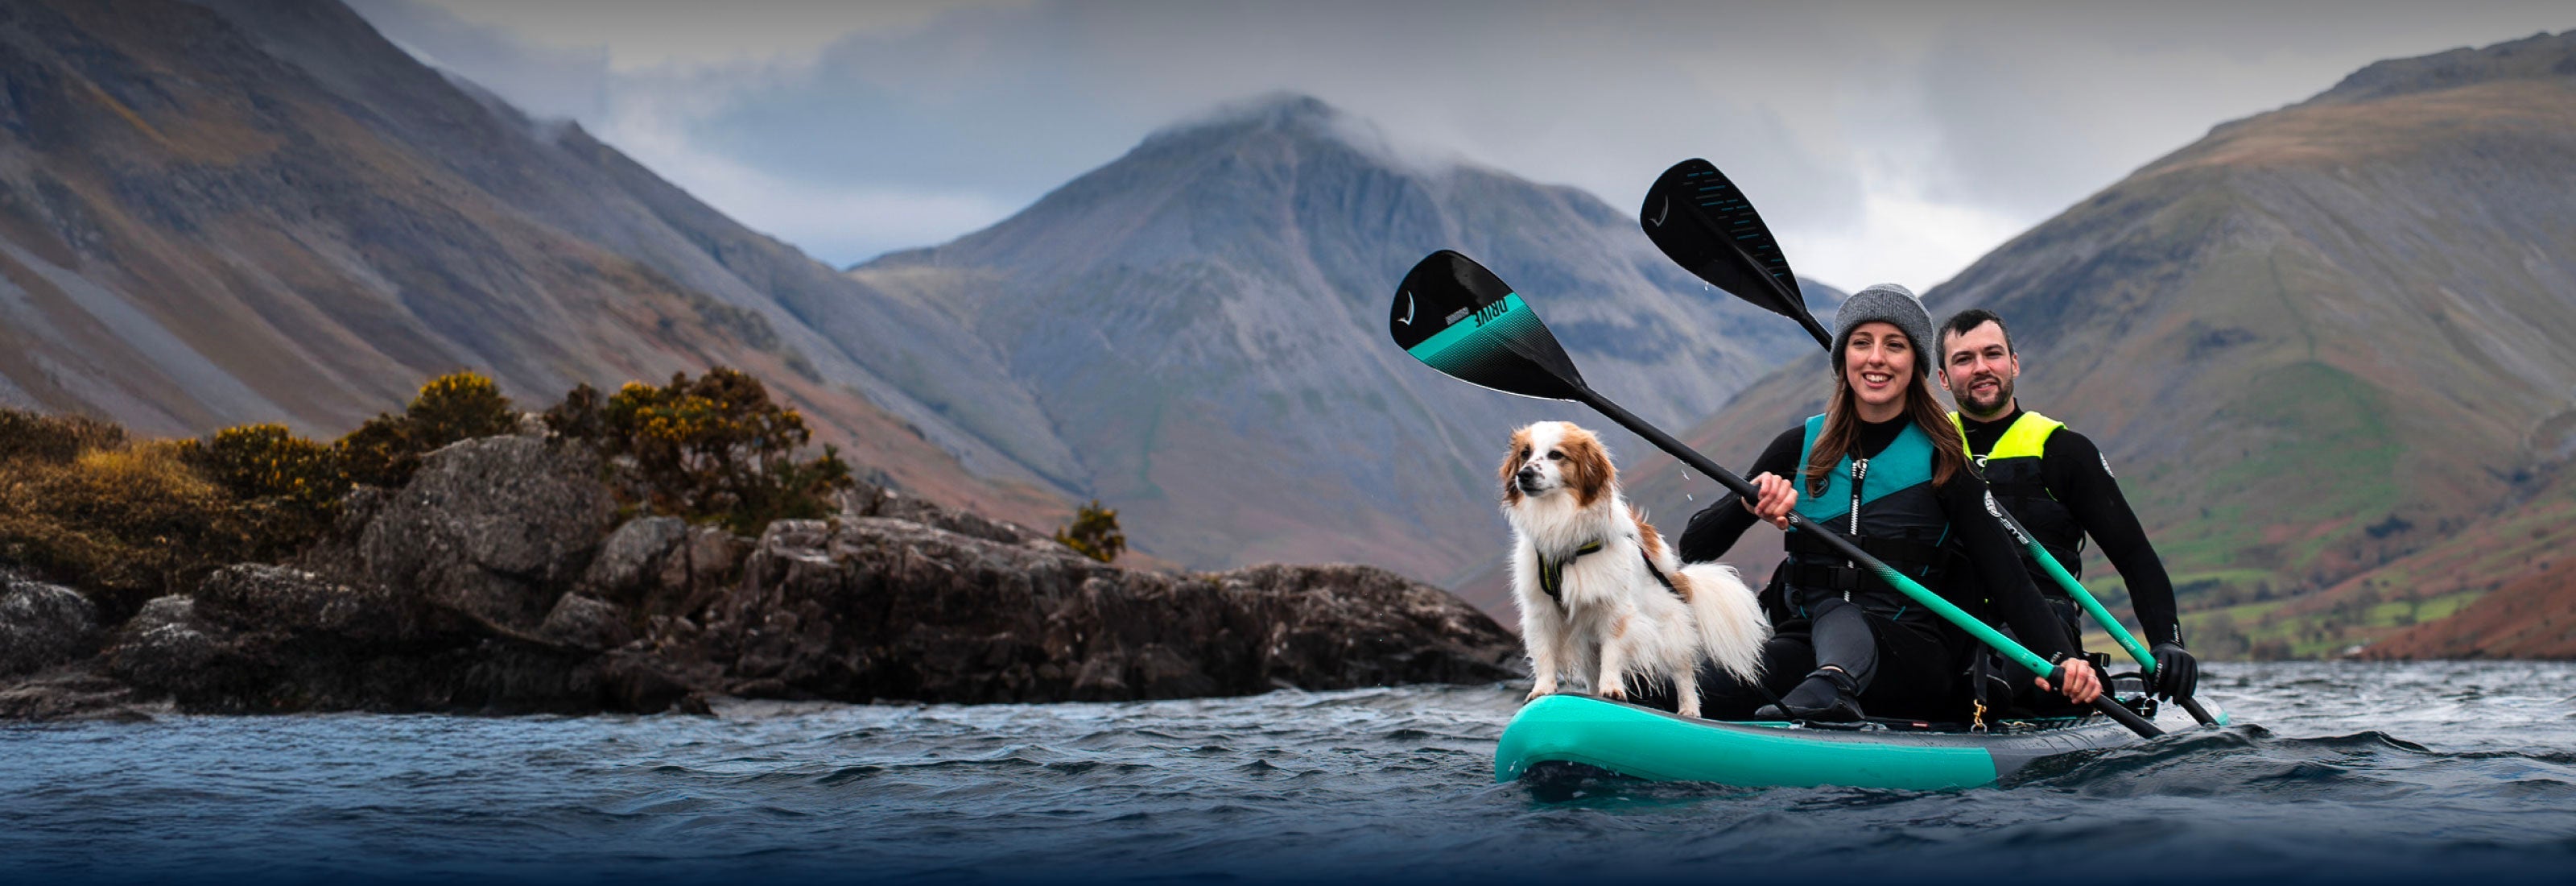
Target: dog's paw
x,y
1690,708
1615,693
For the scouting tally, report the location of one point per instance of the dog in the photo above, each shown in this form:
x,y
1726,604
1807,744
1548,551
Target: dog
x,y
1599,592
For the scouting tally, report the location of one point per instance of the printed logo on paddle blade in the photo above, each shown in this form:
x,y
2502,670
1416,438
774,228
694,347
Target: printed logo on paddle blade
x,y
1506,348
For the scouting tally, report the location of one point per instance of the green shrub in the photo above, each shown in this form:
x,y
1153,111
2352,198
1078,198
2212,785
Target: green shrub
x,y
460,406
127,521
287,488
122,524
713,448
1094,533
381,452
386,450
53,438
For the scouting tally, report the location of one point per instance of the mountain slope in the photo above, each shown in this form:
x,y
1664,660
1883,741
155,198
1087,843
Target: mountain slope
x,y
1204,321
238,211
2315,341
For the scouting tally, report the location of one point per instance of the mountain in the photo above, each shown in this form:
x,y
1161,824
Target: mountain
x,y
239,211
1204,321
2313,344
235,211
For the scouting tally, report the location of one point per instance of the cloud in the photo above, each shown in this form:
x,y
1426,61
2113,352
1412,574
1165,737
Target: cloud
x,y
1902,238
1883,140
541,80
638,35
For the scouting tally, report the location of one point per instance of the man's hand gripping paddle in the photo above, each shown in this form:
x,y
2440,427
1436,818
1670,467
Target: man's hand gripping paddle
x,y
1704,224
1456,317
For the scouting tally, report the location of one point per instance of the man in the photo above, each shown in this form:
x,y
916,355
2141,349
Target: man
x,y
2059,486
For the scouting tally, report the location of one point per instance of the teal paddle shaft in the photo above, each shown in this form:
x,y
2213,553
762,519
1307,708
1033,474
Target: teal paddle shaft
x,y
1843,546
2084,597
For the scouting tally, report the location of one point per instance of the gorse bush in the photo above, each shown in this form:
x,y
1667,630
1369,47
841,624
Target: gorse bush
x,y
713,448
1094,533
53,438
125,524
457,406
267,461
460,406
125,521
288,488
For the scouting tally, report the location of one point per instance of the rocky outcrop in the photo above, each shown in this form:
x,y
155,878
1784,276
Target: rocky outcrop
x,y
870,608
258,639
868,500
495,582
492,529
42,625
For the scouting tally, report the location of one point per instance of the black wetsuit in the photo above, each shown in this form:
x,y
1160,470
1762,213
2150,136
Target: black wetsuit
x,y
1908,663
2087,502
2077,475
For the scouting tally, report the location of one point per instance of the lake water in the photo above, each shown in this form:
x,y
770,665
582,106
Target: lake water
x,y
2345,773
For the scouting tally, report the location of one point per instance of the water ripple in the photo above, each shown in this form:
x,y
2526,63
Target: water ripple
x,y
2357,773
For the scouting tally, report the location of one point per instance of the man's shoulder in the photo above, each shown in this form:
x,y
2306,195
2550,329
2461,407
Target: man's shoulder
x,y
2071,447
2069,437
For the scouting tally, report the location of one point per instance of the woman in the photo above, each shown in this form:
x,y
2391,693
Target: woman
x,y
1884,467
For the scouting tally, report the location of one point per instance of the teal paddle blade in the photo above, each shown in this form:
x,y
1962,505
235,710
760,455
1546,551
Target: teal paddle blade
x,y
1456,317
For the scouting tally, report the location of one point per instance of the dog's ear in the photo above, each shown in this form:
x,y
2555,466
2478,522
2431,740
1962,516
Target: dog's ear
x,y
1587,467
1512,461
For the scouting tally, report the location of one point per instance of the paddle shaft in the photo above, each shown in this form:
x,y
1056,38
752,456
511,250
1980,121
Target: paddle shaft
x,y
1823,339
1903,584
2083,597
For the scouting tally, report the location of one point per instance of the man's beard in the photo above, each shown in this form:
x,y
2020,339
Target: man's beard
x,y
1974,406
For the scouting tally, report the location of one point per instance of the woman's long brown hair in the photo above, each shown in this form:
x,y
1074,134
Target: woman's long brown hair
x,y
1842,428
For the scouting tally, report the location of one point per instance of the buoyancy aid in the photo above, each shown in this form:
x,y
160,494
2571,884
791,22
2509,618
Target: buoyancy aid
x,y
1887,505
2012,472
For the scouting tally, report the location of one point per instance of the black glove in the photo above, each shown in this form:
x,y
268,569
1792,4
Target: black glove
x,y
2177,673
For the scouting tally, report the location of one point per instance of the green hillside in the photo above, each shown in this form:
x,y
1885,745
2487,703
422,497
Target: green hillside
x,y
2314,344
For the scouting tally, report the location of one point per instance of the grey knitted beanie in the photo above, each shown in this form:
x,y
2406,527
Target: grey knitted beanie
x,y
1893,304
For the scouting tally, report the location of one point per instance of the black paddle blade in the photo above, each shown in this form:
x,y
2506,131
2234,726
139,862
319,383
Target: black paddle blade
x,y
1456,317
1703,223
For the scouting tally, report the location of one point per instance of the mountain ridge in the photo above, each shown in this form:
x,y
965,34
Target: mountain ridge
x,y
1192,312
238,212
2350,306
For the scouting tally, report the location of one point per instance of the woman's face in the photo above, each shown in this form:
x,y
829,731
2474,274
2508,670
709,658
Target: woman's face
x,y
1878,363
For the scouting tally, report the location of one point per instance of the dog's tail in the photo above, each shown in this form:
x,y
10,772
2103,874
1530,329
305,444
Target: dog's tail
x,y
1732,628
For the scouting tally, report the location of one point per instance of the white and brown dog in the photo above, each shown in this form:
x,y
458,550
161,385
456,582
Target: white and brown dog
x,y
1599,591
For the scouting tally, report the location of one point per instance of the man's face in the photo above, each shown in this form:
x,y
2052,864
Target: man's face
x,y
1979,369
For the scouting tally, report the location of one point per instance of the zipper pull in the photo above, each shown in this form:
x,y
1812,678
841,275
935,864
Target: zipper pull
x,y
1860,469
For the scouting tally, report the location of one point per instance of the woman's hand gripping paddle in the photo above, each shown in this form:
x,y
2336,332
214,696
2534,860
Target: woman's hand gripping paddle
x,y
1456,317
1703,223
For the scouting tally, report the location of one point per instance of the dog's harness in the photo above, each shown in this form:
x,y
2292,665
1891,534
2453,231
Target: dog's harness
x,y
1551,573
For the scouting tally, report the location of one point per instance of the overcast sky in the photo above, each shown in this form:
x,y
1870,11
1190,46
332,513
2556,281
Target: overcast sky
x,y
1883,141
